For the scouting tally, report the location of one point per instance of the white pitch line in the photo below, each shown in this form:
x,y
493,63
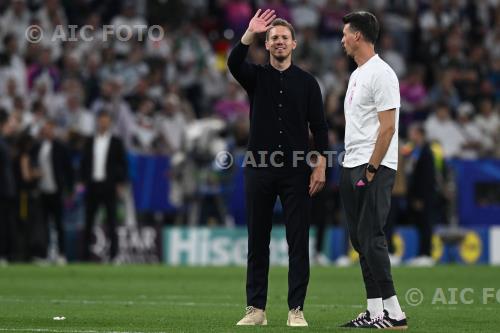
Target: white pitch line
x,y
190,304
48,330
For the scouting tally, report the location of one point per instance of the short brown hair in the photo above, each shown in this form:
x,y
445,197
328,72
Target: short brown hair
x,y
281,22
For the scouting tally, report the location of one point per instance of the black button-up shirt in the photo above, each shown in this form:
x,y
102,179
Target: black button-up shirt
x,y
284,105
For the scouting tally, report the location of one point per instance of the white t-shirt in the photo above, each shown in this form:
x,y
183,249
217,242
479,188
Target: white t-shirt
x,y
100,155
47,181
373,87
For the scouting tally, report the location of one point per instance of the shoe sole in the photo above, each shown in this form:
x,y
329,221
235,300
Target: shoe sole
x,y
397,328
264,323
288,324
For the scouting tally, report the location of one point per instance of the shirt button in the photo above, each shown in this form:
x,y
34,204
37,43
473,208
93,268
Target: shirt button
x,y
281,132
279,118
281,91
279,146
280,105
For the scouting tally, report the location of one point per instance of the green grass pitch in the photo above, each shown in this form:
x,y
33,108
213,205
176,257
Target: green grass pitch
x,y
99,299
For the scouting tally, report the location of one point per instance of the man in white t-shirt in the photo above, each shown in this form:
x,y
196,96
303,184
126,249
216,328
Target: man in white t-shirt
x,y
371,109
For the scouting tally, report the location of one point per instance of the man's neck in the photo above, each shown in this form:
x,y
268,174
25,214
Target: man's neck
x,y
363,55
281,65
102,133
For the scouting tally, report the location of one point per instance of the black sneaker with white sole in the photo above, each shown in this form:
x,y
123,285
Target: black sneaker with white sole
x,y
362,319
384,322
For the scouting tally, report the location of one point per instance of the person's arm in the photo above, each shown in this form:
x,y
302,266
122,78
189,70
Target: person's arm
x,y
28,172
387,99
243,71
387,120
319,130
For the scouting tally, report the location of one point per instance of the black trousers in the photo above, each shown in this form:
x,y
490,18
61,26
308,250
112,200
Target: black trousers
x,y
262,186
101,194
366,210
52,208
7,228
422,218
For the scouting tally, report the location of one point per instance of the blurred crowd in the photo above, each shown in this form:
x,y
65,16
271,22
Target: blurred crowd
x,y
174,96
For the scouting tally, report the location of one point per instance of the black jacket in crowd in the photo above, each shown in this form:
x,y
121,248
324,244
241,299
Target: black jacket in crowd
x,y
61,164
116,162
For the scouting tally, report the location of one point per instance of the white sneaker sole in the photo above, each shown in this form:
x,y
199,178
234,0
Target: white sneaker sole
x,y
296,325
264,323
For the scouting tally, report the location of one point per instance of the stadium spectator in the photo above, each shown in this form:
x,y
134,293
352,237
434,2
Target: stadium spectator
x,y
15,20
308,54
488,122
12,66
111,99
44,70
305,14
442,128
191,55
233,104
145,136
393,57
56,177
7,190
421,192
172,123
127,21
26,174
103,171
444,89
472,148
414,96
237,13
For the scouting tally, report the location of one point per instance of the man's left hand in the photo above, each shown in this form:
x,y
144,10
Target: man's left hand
x,y
318,178
369,176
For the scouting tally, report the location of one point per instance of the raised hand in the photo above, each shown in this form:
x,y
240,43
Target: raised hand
x,y
261,22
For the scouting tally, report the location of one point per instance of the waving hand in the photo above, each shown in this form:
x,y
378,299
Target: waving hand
x,y
261,22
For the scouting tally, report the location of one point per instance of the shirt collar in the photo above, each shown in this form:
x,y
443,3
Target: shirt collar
x,y
105,135
288,70
375,56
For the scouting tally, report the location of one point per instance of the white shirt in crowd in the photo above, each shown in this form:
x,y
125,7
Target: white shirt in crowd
x,y
446,133
47,181
100,154
472,134
373,87
173,129
489,127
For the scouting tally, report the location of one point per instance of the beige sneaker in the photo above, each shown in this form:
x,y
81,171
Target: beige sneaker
x,y
296,318
253,316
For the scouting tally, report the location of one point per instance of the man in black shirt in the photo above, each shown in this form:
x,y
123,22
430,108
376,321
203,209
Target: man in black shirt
x,y
285,104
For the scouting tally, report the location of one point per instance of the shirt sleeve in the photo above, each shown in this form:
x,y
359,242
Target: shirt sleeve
x,y
244,72
386,90
316,118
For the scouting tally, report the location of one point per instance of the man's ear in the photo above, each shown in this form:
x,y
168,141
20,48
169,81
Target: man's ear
x,y
357,36
267,46
294,44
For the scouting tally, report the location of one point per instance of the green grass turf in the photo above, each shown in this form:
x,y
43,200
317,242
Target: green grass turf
x,y
167,299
